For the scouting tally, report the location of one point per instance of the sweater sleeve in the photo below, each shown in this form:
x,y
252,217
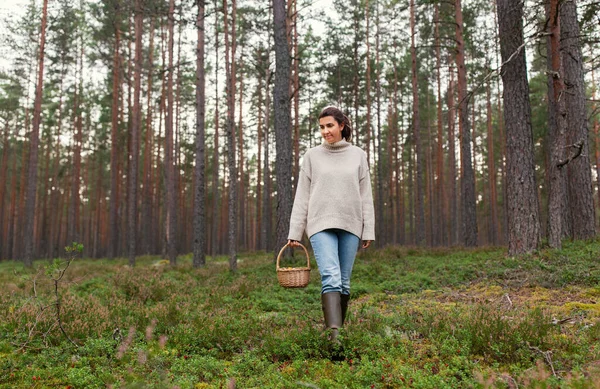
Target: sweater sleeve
x,y
368,210
299,215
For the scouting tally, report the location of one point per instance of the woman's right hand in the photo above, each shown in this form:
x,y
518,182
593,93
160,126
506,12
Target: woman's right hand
x,y
293,243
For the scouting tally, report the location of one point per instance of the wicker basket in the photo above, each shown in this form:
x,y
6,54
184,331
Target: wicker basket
x,y
296,277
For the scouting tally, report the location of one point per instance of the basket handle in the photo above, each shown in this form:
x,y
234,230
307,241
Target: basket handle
x,y
283,249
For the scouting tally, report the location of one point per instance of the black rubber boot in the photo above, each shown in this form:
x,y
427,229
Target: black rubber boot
x,y
332,311
344,299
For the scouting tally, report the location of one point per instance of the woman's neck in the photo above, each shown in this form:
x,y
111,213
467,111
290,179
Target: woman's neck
x,y
336,145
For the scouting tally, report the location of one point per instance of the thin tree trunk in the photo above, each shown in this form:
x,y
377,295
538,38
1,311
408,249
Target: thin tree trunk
x,y
33,149
523,209
114,151
146,216
502,226
259,172
199,208
469,211
266,231
493,221
368,89
231,155
215,175
296,93
170,198
379,205
440,194
242,227
416,122
596,132
3,170
452,192
557,128
135,138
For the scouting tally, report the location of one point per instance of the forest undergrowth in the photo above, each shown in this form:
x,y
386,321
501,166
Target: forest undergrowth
x,y
419,318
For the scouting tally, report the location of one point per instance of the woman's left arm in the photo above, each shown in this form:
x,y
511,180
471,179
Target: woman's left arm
x,y
366,198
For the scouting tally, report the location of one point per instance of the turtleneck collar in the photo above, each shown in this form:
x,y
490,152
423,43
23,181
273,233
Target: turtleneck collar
x,y
339,145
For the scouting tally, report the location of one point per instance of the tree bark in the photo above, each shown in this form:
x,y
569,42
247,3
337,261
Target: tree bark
x,y
440,236
492,174
452,195
469,211
33,148
581,196
523,207
114,150
3,170
231,155
416,124
557,127
147,196
170,198
215,162
281,101
199,207
135,138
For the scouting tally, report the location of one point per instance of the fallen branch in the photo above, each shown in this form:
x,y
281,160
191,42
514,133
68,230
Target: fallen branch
x,y
547,357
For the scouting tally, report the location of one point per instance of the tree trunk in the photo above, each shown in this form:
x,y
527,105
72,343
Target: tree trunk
x,y
170,198
266,232
114,150
469,211
231,154
368,88
146,217
215,175
281,101
242,226
135,138
199,207
73,227
260,136
581,196
416,124
380,204
440,194
33,148
523,208
557,129
452,195
596,132
492,175
3,170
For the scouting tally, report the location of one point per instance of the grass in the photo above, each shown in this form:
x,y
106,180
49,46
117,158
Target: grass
x,y
419,318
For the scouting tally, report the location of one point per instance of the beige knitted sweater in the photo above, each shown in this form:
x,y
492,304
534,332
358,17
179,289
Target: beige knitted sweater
x,y
334,191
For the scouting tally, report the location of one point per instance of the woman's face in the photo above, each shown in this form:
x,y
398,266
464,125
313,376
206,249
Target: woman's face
x,y
331,130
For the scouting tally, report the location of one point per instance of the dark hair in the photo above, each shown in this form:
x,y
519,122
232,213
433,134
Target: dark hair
x,y
339,117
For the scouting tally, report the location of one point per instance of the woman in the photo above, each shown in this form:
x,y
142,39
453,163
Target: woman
x,y
334,206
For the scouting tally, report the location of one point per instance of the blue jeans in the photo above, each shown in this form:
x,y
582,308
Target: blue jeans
x,y
335,251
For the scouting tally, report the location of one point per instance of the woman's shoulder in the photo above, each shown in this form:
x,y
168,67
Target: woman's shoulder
x,y
358,150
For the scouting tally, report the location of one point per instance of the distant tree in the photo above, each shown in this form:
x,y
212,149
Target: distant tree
x,y
199,184
170,197
467,182
230,71
32,174
557,128
416,126
136,123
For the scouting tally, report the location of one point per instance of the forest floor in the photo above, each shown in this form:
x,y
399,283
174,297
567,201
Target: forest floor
x,y
419,318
